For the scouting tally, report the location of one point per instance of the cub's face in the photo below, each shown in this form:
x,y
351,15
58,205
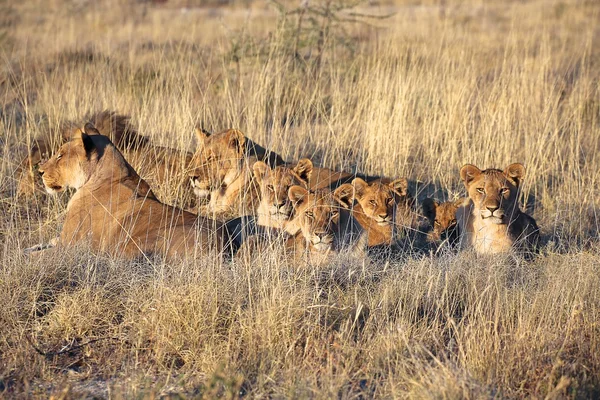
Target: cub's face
x,y
67,167
275,184
441,217
318,215
217,162
378,200
494,192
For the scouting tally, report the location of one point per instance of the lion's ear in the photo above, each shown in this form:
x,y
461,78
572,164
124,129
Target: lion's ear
x,y
304,170
429,207
469,172
201,136
297,195
399,186
236,140
260,170
515,172
84,140
90,129
360,186
344,195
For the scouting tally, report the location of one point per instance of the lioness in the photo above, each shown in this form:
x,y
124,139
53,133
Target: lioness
x,y
275,208
221,169
377,208
442,219
321,227
159,166
492,221
114,209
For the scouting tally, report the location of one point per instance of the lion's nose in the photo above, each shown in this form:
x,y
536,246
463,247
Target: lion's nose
x,y
383,216
40,171
492,208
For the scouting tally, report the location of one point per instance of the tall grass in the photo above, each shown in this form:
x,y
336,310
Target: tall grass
x,y
419,95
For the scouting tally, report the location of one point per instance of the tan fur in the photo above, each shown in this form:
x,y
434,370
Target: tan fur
x,y
442,219
275,208
378,205
114,210
492,221
221,169
159,166
322,226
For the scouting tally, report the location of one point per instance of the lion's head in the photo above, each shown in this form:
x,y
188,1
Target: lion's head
x,y
319,215
274,185
442,218
493,192
379,200
218,160
68,167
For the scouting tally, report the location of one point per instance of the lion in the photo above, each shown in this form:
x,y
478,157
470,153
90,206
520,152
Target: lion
x,y
159,166
221,170
322,226
114,209
274,207
379,204
492,221
442,220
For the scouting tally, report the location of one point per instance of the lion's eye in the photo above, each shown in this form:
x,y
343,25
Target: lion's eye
x,y
452,223
334,214
270,188
390,200
481,190
436,222
504,190
58,157
309,214
373,202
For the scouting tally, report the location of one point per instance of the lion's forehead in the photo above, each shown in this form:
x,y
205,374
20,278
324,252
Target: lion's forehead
x,y
281,177
446,213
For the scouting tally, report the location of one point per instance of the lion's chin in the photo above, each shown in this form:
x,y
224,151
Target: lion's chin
x,y
280,216
322,246
54,189
494,220
384,223
202,193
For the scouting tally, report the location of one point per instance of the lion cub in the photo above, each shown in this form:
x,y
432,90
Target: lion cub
x,y
322,226
275,207
378,206
442,218
221,171
492,221
114,209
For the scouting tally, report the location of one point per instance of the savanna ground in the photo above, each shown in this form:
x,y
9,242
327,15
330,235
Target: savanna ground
x,y
417,94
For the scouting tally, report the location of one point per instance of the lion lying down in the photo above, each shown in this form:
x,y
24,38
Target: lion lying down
x,y
114,209
160,166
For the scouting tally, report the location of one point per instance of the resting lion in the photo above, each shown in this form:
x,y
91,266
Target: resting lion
x,y
492,221
381,207
275,208
322,226
159,166
221,170
442,219
114,210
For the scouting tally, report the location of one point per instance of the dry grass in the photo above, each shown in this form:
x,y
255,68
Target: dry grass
x,y
434,87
